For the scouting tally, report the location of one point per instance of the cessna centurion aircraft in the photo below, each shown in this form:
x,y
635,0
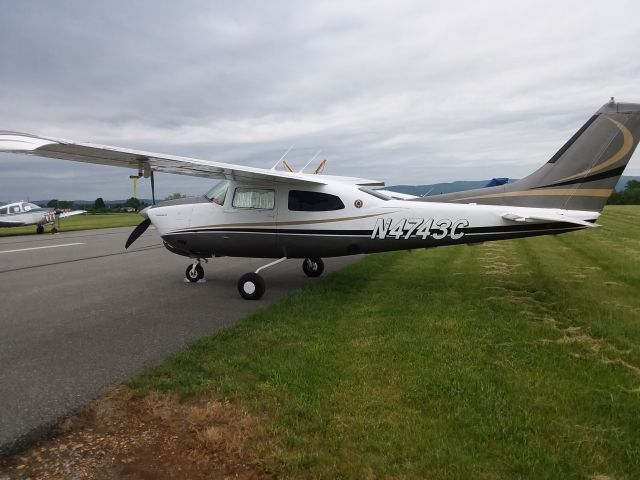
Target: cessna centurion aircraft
x,y
254,212
19,214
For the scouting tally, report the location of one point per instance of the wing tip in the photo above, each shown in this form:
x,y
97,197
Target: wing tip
x,y
21,142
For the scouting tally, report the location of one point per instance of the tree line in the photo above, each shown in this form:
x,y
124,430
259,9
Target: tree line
x,y
100,206
629,196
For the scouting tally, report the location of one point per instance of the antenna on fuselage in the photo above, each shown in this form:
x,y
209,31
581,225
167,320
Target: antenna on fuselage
x,y
307,164
282,157
320,166
287,166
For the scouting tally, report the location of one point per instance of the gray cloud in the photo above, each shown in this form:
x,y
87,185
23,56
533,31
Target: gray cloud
x,y
409,92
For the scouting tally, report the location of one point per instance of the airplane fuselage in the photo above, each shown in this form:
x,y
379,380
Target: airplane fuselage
x,y
334,220
24,213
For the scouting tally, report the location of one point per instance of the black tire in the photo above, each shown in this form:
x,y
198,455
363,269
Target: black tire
x,y
194,275
313,267
39,229
54,230
251,286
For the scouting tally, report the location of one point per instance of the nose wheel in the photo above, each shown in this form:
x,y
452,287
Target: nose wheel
x,y
194,272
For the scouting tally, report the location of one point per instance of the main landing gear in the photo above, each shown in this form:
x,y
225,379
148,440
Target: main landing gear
x,y
40,229
313,267
251,286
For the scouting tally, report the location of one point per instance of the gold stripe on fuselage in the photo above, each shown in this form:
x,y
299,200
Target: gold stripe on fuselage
x,y
295,222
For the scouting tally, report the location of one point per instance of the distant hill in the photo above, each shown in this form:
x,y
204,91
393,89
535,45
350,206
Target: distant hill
x,y
459,186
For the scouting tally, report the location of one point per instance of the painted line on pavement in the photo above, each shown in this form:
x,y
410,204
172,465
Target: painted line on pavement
x,y
40,248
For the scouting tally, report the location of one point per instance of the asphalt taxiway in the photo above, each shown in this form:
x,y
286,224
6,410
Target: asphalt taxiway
x,y
78,313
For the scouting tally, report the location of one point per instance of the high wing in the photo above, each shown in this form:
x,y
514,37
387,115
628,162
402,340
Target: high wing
x,y
144,162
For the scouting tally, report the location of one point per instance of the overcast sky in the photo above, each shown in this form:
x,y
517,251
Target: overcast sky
x,y
405,92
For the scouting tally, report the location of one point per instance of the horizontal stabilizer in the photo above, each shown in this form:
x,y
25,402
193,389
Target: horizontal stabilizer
x,y
547,217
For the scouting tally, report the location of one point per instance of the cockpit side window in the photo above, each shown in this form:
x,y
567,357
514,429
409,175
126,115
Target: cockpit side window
x,y
306,201
218,192
14,209
26,207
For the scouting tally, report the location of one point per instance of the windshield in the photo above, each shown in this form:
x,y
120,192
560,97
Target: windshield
x,y
29,206
218,192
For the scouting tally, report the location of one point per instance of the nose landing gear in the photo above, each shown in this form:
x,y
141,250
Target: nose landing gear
x,y
194,272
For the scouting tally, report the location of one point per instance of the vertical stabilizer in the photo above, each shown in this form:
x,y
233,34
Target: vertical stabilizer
x,y
580,176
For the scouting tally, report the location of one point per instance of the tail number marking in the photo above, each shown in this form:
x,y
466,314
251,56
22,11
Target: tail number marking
x,y
406,228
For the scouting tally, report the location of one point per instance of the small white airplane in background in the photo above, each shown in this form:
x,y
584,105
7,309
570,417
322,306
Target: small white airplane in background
x,y
254,212
19,214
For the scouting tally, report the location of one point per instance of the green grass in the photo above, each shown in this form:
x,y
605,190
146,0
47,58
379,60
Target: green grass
x,y
81,222
514,359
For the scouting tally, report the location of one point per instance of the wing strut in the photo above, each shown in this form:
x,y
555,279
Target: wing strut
x,y
153,187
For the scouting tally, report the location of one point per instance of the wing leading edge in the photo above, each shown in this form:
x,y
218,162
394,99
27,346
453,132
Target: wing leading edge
x,y
13,142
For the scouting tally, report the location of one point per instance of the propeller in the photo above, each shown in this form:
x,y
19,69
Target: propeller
x,y
142,227
139,230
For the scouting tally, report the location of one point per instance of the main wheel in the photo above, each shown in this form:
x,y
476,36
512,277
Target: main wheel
x,y
39,229
54,230
251,286
194,274
313,267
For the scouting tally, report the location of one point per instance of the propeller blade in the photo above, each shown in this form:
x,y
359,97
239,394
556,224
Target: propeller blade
x,y
139,230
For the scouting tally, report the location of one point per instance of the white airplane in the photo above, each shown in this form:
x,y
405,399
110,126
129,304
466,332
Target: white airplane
x,y
254,212
19,214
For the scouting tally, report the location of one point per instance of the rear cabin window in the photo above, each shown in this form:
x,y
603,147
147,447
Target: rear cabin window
x,y
14,209
303,201
3,211
257,198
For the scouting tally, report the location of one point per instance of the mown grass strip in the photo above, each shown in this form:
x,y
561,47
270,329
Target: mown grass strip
x,y
80,222
505,360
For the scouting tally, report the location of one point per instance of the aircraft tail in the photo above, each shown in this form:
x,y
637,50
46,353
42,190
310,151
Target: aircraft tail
x,y
580,176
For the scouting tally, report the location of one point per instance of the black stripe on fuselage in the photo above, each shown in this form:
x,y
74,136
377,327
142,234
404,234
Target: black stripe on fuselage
x,y
368,233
